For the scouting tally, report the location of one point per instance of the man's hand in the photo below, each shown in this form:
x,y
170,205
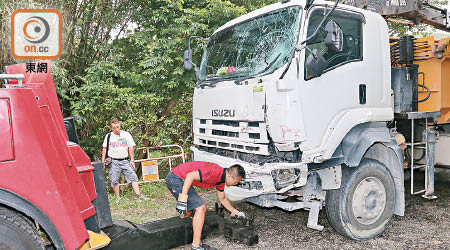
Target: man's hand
x,y
241,215
238,215
132,165
182,203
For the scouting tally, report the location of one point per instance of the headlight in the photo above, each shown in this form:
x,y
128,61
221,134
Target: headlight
x,y
250,185
284,177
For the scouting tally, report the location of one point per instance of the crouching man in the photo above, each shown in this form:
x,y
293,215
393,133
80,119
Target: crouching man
x,y
183,177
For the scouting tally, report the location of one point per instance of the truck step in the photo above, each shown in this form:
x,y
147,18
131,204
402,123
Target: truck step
x,y
419,192
417,166
415,144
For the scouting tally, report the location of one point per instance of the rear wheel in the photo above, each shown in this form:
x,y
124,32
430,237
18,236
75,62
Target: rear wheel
x,y
17,232
363,207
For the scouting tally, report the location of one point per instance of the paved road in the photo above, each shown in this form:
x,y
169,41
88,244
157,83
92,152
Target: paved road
x,y
426,225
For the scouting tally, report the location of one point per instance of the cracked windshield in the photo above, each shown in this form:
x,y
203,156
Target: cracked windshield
x,y
254,47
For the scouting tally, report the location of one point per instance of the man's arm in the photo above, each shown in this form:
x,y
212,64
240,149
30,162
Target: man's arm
x,y
131,153
183,197
226,203
190,178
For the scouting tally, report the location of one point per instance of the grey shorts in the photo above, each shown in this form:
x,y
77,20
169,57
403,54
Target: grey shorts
x,y
119,166
175,186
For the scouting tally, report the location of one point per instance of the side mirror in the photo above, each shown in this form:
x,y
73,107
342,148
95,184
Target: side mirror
x,y
315,63
188,60
335,38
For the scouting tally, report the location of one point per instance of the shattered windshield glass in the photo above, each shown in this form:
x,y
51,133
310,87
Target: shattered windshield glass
x,y
254,47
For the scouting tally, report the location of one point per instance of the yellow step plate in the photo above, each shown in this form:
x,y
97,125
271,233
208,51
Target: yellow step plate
x,y
96,241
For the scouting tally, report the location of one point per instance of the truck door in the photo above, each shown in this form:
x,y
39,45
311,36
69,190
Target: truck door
x,y
327,96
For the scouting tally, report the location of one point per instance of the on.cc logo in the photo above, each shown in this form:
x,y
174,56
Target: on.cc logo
x,y
36,34
36,29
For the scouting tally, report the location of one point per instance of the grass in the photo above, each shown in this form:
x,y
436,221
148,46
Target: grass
x,y
160,205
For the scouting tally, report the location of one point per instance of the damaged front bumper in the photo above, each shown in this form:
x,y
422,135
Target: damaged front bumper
x,y
270,178
267,185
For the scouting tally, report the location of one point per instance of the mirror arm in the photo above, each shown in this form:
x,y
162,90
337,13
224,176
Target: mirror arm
x,y
310,51
297,48
196,37
196,69
288,65
303,44
320,24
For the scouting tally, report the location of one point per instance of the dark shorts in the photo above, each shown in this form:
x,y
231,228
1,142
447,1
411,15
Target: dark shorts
x,y
175,186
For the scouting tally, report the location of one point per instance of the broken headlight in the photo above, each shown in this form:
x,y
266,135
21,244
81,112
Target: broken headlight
x,y
250,185
284,177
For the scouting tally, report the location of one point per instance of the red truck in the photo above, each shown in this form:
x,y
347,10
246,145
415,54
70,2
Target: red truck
x,y
44,178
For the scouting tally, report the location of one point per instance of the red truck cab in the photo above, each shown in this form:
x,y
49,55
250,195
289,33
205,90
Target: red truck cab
x,y
44,176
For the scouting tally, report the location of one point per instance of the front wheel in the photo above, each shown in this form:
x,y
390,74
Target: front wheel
x,y
363,207
17,232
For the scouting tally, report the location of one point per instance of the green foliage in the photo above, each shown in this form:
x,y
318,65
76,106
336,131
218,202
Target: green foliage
x,y
397,29
400,29
138,76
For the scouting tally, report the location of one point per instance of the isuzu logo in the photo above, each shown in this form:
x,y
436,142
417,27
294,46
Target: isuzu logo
x,y
223,112
399,3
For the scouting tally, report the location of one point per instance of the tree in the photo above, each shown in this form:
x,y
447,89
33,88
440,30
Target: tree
x,y
142,79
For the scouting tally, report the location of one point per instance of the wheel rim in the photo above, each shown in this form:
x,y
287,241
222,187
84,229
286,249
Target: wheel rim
x,y
369,200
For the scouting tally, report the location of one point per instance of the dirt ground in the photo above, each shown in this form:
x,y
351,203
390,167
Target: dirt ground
x,y
426,225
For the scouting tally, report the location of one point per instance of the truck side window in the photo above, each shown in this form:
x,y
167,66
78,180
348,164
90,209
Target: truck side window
x,y
351,25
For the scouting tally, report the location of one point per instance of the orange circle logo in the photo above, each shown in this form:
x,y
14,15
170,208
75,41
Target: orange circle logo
x,y
36,29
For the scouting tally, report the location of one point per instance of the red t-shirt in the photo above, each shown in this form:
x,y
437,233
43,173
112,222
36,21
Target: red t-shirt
x,y
211,174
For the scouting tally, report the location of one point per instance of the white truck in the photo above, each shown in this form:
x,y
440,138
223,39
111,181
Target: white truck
x,y
299,94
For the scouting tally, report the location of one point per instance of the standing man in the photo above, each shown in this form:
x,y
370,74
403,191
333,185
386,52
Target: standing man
x,y
121,144
183,177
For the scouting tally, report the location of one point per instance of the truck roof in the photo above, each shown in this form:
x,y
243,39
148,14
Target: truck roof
x,y
281,5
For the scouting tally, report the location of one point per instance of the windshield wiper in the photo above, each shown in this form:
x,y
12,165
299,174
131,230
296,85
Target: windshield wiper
x,y
211,77
237,82
270,65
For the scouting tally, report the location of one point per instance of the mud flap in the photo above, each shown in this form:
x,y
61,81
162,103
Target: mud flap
x,y
96,241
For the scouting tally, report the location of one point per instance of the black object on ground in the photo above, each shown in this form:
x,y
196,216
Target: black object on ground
x,y
241,230
161,234
241,233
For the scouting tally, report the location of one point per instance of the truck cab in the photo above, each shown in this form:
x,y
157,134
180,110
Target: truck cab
x,y
299,94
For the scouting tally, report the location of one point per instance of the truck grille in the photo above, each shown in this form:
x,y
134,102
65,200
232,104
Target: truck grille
x,y
273,157
241,136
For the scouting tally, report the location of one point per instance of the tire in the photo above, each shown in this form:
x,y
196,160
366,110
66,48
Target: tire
x,y
17,232
363,207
